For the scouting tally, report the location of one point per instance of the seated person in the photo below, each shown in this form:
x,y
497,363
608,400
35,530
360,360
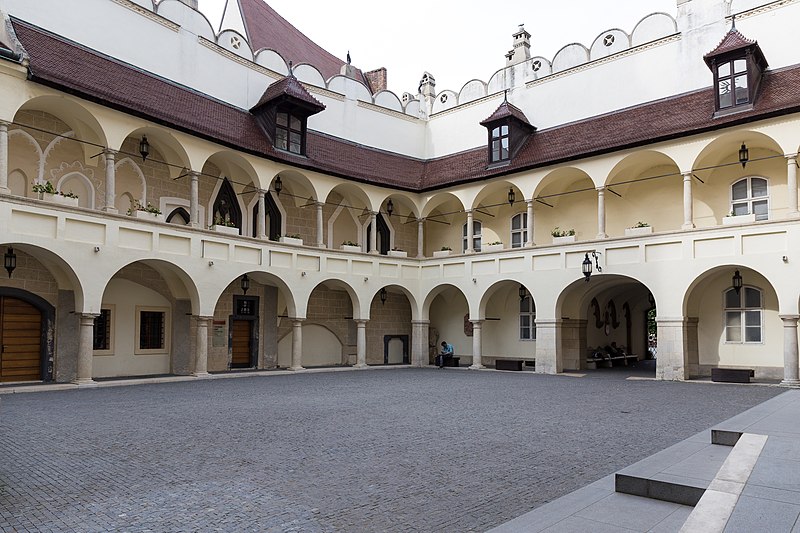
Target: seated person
x,y
446,353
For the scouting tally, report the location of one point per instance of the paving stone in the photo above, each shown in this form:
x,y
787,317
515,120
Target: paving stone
x,y
384,450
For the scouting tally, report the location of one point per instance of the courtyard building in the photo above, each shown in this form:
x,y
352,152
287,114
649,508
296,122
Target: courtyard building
x,y
177,198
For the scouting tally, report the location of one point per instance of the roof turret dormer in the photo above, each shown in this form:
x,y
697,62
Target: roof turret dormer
x,y
738,65
508,129
283,111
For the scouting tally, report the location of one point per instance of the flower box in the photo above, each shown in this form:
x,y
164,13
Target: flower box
x,y
398,253
442,253
59,199
564,240
350,248
637,232
225,229
739,219
292,240
147,215
492,248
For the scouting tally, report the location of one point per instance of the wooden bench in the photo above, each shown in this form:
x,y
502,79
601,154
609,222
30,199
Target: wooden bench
x,y
608,362
732,375
452,361
512,364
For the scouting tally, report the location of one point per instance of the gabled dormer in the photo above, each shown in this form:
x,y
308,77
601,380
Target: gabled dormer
x,y
508,130
738,65
282,113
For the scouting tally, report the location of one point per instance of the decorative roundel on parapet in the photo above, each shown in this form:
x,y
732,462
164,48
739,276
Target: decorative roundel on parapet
x,y
608,40
537,65
443,98
236,42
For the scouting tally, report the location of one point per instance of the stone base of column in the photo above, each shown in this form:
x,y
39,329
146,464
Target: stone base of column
x,y
790,383
296,368
85,382
5,190
688,226
361,365
201,375
602,236
476,367
108,209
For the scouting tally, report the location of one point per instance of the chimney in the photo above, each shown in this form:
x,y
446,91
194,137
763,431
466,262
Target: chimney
x,y
522,47
377,80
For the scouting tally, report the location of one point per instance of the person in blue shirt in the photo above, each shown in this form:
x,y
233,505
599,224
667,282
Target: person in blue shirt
x,y
447,351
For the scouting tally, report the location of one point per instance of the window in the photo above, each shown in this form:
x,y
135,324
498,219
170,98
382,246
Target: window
x,y
519,230
527,319
744,316
750,195
476,236
152,330
732,87
102,333
288,133
500,143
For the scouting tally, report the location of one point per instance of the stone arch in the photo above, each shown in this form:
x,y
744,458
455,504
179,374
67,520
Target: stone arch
x,y
85,188
565,194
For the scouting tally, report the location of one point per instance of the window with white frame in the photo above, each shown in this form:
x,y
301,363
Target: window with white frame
x,y
527,319
744,316
519,230
750,196
477,227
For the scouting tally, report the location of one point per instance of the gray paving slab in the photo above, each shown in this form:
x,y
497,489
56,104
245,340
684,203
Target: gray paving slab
x,y
756,514
771,493
674,521
629,512
776,473
576,524
704,464
778,447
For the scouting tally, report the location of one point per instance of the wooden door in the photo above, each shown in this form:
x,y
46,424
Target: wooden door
x,y
241,344
20,341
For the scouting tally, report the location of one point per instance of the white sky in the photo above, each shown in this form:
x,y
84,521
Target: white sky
x,y
454,40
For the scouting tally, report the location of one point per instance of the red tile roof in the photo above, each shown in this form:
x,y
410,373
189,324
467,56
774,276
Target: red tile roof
x,y
506,110
289,86
732,42
75,69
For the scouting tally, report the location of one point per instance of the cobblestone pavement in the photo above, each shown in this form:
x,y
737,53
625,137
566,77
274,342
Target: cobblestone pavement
x,y
382,450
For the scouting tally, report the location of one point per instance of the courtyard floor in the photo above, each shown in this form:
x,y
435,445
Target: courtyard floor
x,y
379,450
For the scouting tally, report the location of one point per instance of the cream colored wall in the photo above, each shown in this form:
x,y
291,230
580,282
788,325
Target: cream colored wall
x,y
711,326
321,347
657,202
501,337
125,296
447,316
573,211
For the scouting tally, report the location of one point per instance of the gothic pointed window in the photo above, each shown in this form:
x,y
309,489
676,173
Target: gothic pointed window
x,y
226,210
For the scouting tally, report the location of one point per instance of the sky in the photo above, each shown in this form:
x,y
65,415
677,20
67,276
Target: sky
x,y
455,40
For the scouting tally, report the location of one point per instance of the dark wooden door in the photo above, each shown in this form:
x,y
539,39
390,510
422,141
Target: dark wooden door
x,y
20,341
241,344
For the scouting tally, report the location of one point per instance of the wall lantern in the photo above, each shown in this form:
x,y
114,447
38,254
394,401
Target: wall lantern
x,y
10,260
522,292
389,207
383,295
587,265
278,185
744,155
511,196
245,284
144,147
737,281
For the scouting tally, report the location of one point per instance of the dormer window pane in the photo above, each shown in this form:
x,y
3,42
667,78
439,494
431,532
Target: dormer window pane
x,y
282,119
295,142
281,140
725,96
296,125
724,70
742,95
740,65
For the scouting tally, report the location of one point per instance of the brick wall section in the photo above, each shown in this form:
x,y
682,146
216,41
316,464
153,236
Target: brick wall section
x,y
377,79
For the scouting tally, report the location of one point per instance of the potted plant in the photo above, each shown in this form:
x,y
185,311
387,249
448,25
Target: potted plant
x,y
149,211
495,246
293,238
443,252
396,252
47,192
350,246
641,228
562,236
224,225
731,218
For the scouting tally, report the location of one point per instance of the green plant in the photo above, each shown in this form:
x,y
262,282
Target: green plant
x,y
293,236
494,243
557,232
219,221
149,208
69,194
641,224
446,249
349,243
45,187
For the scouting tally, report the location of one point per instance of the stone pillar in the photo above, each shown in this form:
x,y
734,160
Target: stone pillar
x,y
601,213
194,199
673,349
572,339
419,342
373,235
547,335
420,238
86,349
790,352
688,202
791,162
297,344
201,347
470,237
4,188
361,343
262,216
476,345
529,242
111,182
320,234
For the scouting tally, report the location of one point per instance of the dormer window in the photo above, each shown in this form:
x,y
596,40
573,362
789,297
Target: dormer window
x,y
738,65
508,130
289,134
499,144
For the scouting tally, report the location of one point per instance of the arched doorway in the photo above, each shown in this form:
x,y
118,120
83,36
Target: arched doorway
x,y
26,323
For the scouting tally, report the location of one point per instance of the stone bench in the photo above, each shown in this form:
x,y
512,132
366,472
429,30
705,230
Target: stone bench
x,y
452,361
732,375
